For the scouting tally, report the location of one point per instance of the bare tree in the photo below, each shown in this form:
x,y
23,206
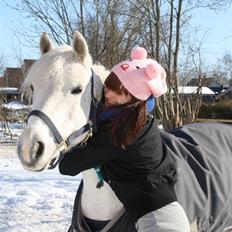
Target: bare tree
x,y
111,31
3,113
113,27
3,118
107,26
217,4
1,64
166,34
57,17
227,64
222,71
164,27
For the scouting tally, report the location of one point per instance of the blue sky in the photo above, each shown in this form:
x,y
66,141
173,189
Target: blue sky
x,y
215,27
10,45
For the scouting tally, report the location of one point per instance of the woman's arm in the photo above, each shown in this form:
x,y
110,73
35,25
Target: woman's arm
x,y
92,155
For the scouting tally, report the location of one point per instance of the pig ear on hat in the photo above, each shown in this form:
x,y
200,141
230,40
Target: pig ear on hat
x,y
152,70
138,53
157,79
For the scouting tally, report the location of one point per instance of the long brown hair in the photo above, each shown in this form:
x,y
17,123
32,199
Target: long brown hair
x,y
126,126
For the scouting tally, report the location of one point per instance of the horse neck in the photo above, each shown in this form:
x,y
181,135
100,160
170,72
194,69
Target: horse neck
x,y
98,203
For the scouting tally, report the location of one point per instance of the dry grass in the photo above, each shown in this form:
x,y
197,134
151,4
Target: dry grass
x,y
194,228
214,120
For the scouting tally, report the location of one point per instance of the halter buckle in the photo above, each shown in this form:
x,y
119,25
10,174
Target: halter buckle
x,y
63,144
89,135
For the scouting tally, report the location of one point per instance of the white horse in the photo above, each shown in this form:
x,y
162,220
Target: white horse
x,y
59,84
63,87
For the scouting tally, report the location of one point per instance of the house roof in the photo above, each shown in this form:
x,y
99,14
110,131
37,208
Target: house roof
x,y
224,92
207,82
9,90
217,90
27,63
193,90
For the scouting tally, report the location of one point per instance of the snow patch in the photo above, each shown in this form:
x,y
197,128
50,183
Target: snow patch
x,y
14,105
33,202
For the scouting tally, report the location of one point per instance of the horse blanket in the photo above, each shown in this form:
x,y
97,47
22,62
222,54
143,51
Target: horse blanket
x,y
79,223
202,153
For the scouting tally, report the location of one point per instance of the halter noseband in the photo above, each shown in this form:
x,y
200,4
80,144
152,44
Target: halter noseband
x,y
62,143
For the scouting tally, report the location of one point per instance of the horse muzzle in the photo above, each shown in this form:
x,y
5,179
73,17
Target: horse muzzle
x,y
31,151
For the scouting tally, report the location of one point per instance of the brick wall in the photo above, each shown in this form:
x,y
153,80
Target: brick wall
x,y
2,82
13,77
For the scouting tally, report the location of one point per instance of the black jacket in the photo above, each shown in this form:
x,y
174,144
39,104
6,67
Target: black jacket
x,y
141,176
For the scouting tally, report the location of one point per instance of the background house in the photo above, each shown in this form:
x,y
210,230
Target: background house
x,y
13,77
207,94
12,80
27,63
9,94
225,95
221,92
210,82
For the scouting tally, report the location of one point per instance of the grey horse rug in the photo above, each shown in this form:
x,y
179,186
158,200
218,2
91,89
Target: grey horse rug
x,y
202,153
121,223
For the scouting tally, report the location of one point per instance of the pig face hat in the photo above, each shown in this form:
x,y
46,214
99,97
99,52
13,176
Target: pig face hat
x,y
141,76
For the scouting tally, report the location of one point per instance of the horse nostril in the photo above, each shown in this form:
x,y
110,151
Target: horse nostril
x,y
40,149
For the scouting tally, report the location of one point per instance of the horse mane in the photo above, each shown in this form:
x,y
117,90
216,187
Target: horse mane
x,y
102,73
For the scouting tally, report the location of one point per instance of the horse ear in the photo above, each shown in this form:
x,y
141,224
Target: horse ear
x,y
80,46
45,43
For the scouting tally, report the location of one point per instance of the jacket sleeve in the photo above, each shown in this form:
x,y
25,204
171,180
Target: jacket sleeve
x,y
95,153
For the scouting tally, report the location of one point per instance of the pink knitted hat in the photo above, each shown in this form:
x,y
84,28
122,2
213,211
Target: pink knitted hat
x,y
142,77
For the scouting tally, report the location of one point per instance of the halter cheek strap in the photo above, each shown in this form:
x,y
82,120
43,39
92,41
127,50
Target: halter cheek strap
x,y
62,144
57,136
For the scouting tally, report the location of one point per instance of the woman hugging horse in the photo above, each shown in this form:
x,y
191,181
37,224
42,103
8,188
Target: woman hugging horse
x,y
153,173
128,149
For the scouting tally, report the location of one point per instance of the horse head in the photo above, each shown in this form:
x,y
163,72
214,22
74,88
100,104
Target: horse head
x,y
60,86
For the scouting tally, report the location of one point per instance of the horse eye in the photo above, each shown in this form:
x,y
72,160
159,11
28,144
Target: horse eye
x,y
77,90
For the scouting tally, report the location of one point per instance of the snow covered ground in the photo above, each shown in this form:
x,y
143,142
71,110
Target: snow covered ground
x,y
15,105
32,202
29,201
